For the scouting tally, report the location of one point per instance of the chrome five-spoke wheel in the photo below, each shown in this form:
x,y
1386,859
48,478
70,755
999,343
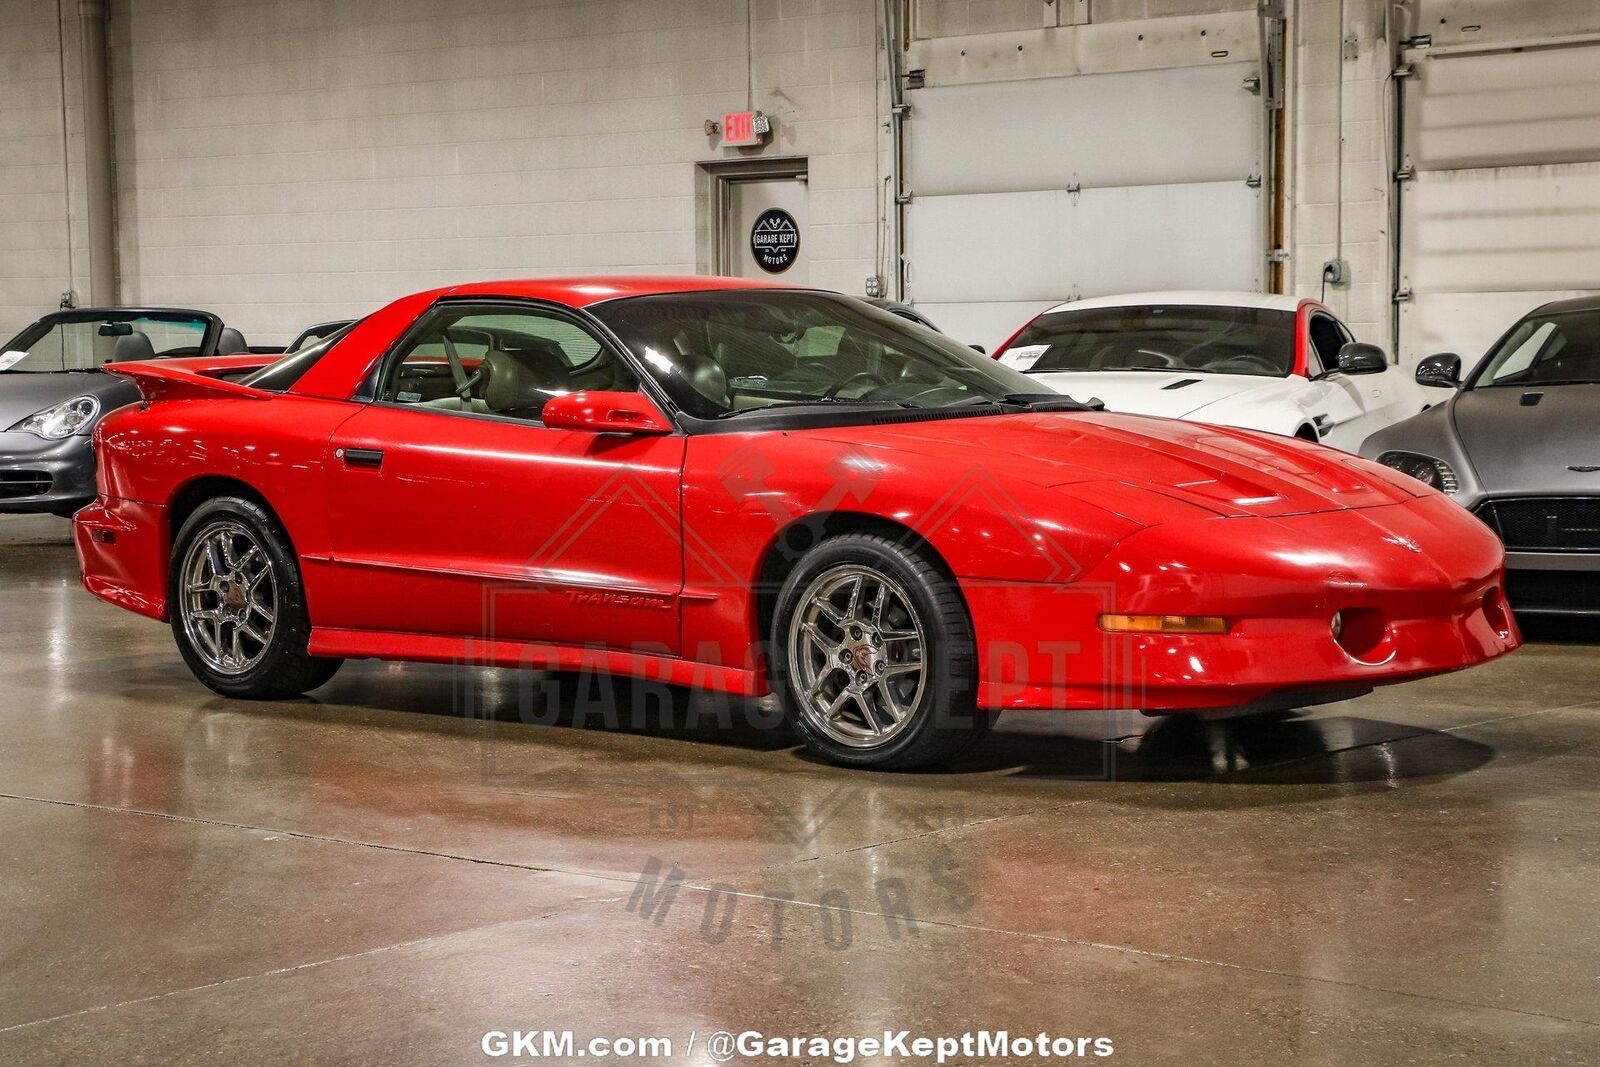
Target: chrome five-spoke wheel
x,y
229,598
857,647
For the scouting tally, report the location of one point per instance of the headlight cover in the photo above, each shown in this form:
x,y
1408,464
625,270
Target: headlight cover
x,y
62,421
1425,469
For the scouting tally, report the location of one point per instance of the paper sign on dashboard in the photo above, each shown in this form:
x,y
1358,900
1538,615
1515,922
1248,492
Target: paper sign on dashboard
x,y
11,359
1022,357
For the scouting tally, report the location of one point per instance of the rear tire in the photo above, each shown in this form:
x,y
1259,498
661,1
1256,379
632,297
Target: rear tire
x,y
237,604
873,656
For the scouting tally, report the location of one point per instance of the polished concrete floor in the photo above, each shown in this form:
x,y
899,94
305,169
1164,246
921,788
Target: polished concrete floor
x,y
372,876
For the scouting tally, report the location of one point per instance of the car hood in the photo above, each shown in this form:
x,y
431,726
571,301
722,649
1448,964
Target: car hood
x,y
1224,471
1172,395
1519,447
23,393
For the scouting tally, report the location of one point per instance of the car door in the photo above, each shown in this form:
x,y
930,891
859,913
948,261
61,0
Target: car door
x,y
454,510
1347,407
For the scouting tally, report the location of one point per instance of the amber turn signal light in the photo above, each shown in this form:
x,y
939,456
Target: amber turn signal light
x,y
1164,624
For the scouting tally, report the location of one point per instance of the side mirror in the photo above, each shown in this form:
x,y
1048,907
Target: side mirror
x,y
1442,371
605,412
979,349
1357,357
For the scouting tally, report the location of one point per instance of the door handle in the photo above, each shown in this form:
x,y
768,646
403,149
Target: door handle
x,y
361,457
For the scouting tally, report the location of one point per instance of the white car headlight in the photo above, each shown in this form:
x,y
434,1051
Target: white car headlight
x,y
1425,469
62,421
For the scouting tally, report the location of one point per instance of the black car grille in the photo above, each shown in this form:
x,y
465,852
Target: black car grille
x,y
1545,523
1554,592
23,483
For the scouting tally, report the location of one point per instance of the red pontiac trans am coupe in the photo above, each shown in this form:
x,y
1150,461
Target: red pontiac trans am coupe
x,y
737,486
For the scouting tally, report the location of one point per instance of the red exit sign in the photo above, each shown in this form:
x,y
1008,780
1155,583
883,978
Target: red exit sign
x,y
744,128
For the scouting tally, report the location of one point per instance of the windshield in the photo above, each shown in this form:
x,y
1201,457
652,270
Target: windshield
x,y
1556,349
1179,338
54,344
725,353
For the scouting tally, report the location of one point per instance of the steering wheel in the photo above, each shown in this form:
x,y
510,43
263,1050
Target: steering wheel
x,y
458,372
842,386
1250,359
1167,360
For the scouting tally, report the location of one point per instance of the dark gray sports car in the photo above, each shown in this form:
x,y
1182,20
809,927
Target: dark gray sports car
x,y
1519,445
54,389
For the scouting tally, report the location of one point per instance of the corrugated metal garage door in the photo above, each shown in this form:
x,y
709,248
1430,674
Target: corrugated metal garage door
x,y
1502,209
1025,193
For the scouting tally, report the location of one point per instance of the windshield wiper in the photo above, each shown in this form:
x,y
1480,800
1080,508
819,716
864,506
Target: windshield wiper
x,y
812,401
1030,402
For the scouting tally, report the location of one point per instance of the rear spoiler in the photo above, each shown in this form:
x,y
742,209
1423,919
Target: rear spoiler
x,y
200,378
223,366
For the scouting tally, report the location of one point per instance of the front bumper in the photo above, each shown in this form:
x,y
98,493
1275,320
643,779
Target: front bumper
x,y
1419,589
1563,581
50,476
1554,583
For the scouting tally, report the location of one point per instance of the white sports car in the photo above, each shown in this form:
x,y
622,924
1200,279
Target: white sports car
x,y
1276,363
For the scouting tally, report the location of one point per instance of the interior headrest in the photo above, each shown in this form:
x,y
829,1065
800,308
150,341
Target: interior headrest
x,y
231,343
706,376
131,347
511,384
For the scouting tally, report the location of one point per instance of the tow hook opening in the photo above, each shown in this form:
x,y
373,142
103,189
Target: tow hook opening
x,y
1494,610
1363,633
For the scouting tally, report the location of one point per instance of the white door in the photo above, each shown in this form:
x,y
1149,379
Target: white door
x,y
764,229
1500,190
1029,192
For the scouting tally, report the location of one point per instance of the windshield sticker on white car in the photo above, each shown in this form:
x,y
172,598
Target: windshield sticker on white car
x,y
1023,357
11,359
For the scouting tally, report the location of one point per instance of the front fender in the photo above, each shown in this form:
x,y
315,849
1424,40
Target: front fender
x,y
742,491
1282,408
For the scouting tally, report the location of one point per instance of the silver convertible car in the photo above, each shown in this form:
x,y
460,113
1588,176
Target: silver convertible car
x,y
1517,444
54,389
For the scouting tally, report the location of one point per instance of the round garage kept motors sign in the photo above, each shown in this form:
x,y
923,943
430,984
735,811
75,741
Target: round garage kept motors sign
x,y
775,241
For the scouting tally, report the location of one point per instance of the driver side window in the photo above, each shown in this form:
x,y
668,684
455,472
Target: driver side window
x,y
1326,340
497,360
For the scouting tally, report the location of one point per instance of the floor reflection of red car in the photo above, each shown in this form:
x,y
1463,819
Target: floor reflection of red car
x,y
713,483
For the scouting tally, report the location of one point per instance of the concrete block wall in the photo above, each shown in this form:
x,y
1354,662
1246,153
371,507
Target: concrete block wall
x,y
294,160
34,192
298,160
1341,164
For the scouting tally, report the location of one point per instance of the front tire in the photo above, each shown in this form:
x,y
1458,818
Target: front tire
x,y
237,605
873,655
